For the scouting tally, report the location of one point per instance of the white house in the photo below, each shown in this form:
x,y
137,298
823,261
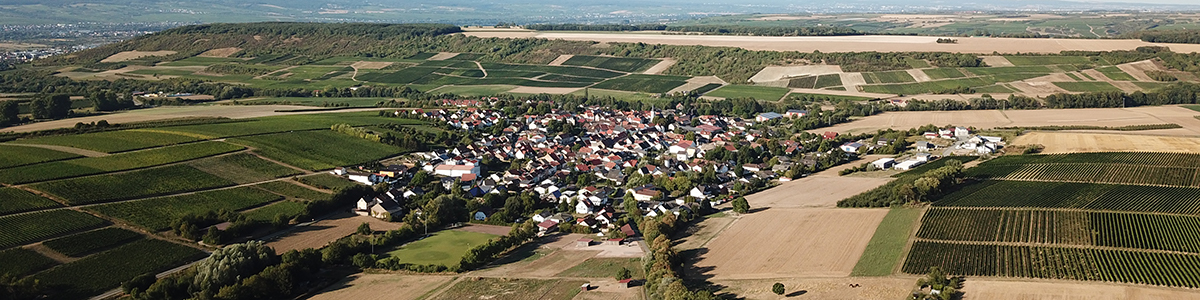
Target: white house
x,y
908,165
456,170
767,116
851,147
961,131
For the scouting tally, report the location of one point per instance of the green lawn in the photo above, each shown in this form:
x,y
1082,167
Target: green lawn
x,y
1089,86
887,245
604,268
769,93
443,248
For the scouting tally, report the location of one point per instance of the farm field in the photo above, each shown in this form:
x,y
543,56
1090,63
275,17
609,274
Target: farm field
x,y
943,73
983,119
287,209
767,93
27,228
176,112
445,248
326,181
317,150
383,287
511,289
20,261
622,64
89,242
817,190
158,213
113,141
1050,290
17,200
601,267
243,168
996,193
13,155
872,288
324,231
1063,142
643,83
97,273
289,189
1087,87
132,185
113,163
886,247
1153,169
804,242
321,102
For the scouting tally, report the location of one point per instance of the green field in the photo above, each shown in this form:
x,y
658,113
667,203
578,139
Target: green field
x,y
808,96
32,227
888,77
473,90
18,262
442,248
320,101
1114,73
201,61
326,181
158,213
289,189
512,289
598,267
13,156
288,209
243,168
643,83
930,86
286,123
89,242
623,64
117,162
1087,86
132,185
1150,86
95,274
1009,70
1046,60
886,247
113,141
624,95
768,93
828,80
943,73
1161,169
1109,197
1192,107
1108,229
317,150
17,200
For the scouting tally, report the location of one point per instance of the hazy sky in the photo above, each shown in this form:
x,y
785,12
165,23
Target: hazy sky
x,y
1184,2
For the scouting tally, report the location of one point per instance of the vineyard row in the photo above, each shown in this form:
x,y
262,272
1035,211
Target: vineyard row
x,y
1108,229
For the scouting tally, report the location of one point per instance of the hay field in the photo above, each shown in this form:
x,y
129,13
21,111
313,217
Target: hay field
x,y
1040,117
1069,290
815,191
851,43
1075,142
363,286
132,55
872,288
220,52
824,242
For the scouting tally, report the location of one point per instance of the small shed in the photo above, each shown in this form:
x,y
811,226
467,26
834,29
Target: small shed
x,y
583,243
625,283
585,287
613,242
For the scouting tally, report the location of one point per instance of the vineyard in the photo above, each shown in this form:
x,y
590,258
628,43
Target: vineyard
x,y
1131,198
85,243
17,200
1157,169
157,214
137,184
114,163
317,150
113,141
1166,269
14,156
32,227
243,168
21,261
94,274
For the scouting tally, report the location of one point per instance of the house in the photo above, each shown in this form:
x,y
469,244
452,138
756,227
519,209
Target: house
x,y
767,116
829,135
386,210
851,147
583,207
930,135
625,283
581,243
645,192
628,231
547,226
456,170
796,113
483,213
884,163
925,157
908,165
961,131
542,216
925,146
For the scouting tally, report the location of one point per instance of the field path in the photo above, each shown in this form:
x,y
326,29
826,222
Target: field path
x,y
661,66
481,69
72,150
560,60
919,75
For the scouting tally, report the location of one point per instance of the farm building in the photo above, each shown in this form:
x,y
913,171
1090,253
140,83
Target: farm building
x,y
884,163
924,146
909,164
795,113
456,170
767,116
851,147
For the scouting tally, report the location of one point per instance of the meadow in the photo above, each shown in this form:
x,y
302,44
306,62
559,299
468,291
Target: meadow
x,y
287,209
317,150
442,248
326,181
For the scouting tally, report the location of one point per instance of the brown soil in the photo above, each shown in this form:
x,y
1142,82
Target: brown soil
x,y
1041,117
322,232
561,59
363,286
132,55
371,65
220,52
815,191
871,288
996,61
443,56
1074,142
661,66
976,289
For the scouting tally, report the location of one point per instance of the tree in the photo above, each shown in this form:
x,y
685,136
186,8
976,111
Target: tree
x,y
228,265
40,108
624,273
740,205
778,288
58,107
365,229
9,113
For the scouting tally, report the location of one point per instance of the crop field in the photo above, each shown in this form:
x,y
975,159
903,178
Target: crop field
x,y
113,141
1114,73
643,83
158,213
289,189
604,267
82,244
474,90
768,93
942,85
944,73
1046,60
14,156
623,64
828,80
18,200
136,184
322,101
1130,198
888,77
32,227
512,289
94,274
706,88
317,150
326,181
886,247
1166,269
288,209
18,262
445,248
287,123
117,162
1087,86
1157,169
457,72
243,168
1041,70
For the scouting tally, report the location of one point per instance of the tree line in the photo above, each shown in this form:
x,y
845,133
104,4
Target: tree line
x,y
1179,36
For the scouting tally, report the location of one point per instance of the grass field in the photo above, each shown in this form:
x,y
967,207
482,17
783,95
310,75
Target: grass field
x,y
17,200
600,267
158,213
113,141
117,162
317,150
473,90
1150,86
288,189
94,274
243,168
1114,73
888,77
19,262
288,209
512,289
132,185
321,101
943,73
886,247
13,156
643,83
32,227
442,248
326,181
768,93
89,242
1192,107
1046,60
623,64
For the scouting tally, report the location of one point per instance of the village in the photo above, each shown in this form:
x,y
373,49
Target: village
x,y
581,165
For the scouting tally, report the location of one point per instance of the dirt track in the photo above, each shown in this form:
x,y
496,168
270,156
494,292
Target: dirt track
x,y
850,43
364,286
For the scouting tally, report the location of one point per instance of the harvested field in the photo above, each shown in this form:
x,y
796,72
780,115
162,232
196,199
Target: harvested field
x,y
177,112
1069,290
801,242
547,266
132,55
661,66
996,61
918,75
607,289
852,43
814,191
542,90
443,56
364,286
371,65
776,73
1073,142
873,288
220,52
320,233
1042,117
701,233
511,289
1138,69
561,59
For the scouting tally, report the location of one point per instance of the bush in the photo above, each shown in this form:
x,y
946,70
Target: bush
x,y
740,205
777,288
624,273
